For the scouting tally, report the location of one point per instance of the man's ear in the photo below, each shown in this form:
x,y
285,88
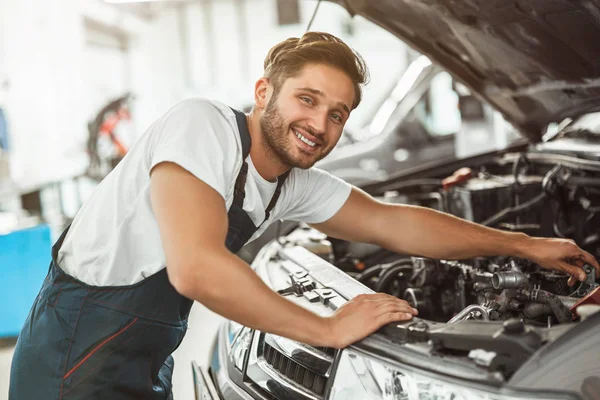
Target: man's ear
x,y
262,93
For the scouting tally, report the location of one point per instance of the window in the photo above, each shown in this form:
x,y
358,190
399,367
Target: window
x,y
438,110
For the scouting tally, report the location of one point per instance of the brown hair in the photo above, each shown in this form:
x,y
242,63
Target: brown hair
x,y
287,58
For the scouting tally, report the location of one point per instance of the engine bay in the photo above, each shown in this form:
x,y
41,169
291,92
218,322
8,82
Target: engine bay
x,y
545,195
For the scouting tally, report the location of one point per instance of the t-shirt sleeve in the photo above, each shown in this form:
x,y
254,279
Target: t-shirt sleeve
x,y
197,136
316,196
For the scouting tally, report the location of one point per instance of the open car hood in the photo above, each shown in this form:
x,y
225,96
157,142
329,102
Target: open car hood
x,y
535,61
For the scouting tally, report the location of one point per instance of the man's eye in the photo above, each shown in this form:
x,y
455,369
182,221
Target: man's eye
x,y
307,100
336,117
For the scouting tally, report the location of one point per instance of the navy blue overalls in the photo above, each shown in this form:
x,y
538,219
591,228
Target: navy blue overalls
x,y
90,342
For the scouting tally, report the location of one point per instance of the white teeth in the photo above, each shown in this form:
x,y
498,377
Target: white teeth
x,y
305,140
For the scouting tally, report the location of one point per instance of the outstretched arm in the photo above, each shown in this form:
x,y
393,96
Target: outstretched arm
x,y
429,233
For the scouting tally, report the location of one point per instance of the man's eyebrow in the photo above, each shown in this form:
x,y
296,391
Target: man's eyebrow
x,y
320,93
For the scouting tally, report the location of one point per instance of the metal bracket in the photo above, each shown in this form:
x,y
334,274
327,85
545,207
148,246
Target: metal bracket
x,y
589,284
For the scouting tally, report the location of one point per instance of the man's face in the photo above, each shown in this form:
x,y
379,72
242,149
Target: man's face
x,y
304,121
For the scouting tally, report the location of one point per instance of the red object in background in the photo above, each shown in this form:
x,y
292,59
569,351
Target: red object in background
x,y
459,176
108,128
592,298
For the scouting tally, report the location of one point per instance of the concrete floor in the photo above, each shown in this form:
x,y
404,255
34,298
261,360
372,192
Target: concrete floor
x,y
203,325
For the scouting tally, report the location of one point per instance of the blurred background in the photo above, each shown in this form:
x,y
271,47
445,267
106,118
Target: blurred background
x,y
81,80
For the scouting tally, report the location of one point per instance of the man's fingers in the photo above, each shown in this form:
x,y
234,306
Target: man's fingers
x,y
584,258
590,259
381,299
578,261
396,306
393,317
575,272
571,281
391,299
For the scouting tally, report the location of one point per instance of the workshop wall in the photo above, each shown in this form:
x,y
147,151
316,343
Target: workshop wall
x,y
42,44
157,71
209,49
44,67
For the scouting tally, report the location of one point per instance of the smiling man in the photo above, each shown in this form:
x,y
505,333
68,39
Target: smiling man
x,y
163,228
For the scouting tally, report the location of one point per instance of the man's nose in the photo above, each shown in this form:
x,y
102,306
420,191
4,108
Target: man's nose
x,y
319,122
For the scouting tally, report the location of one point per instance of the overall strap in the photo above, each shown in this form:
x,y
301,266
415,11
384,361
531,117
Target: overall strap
x,y
239,191
242,124
280,181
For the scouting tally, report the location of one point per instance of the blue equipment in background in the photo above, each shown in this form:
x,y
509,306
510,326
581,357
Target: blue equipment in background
x,y
24,260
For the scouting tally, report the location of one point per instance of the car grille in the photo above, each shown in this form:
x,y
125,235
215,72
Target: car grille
x,y
301,375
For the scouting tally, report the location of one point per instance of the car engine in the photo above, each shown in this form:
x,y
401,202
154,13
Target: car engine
x,y
540,194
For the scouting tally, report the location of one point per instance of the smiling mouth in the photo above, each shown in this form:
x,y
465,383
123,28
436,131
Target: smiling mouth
x,y
304,139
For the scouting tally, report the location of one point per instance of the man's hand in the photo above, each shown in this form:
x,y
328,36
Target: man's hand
x,y
365,314
560,255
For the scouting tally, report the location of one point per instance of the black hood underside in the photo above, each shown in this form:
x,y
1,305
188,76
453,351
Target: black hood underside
x,y
535,61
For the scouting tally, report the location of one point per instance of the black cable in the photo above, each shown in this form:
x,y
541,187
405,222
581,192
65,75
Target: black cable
x,y
517,167
513,211
555,226
550,187
313,16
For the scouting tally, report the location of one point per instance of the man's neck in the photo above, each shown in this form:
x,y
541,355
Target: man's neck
x,y
265,162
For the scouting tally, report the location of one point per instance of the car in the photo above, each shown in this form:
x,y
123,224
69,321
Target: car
x,y
488,328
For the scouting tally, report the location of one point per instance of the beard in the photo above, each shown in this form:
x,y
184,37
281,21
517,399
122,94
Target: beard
x,y
276,132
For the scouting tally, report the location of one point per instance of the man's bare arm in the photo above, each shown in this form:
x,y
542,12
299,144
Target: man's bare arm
x,y
429,233
193,224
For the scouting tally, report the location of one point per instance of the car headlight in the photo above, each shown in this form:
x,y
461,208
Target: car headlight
x,y
233,330
361,377
239,338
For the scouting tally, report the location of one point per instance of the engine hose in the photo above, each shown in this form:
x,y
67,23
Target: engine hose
x,y
392,273
562,313
536,310
514,211
369,273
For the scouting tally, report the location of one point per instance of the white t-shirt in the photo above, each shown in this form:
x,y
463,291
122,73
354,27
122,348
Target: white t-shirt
x,y
114,240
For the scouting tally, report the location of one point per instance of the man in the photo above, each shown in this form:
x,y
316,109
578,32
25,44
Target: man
x,y
162,230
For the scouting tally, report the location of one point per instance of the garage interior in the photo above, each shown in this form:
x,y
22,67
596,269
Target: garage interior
x,y
82,80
